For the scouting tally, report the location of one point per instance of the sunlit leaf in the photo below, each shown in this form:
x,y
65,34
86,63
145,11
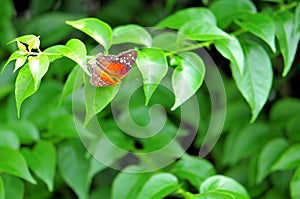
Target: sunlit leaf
x,y
176,20
232,50
38,66
187,78
288,40
256,82
202,31
224,184
24,86
15,56
158,186
260,25
153,66
95,28
131,34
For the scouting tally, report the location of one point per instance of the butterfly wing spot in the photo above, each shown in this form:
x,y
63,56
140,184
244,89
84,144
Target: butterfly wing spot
x,y
109,69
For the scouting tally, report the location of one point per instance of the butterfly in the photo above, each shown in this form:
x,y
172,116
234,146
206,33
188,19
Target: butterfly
x,y
108,70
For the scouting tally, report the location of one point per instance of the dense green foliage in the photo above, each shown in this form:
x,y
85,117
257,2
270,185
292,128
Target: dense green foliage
x,y
243,117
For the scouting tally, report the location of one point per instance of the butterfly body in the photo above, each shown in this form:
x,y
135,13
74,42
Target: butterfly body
x,y
108,70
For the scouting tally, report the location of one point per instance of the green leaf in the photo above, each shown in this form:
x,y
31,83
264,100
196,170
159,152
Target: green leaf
x,y
32,41
223,184
187,78
9,139
13,186
2,191
131,34
26,131
297,19
53,53
268,156
128,185
176,20
12,162
95,28
72,84
15,56
51,33
159,186
293,128
260,25
76,51
295,184
288,41
215,195
153,66
97,98
73,166
256,82
202,31
194,169
284,110
289,159
38,66
24,86
234,9
249,139
42,161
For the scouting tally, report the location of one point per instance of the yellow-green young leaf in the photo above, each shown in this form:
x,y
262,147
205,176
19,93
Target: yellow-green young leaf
x,y
32,41
38,67
153,66
42,161
12,162
187,78
19,63
24,86
288,40
176,20
21,46
131,34
14,56
95,28
256,82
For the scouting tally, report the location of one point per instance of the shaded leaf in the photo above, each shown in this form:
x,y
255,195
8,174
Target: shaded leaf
x,y
234,9
42,161
9,139
295,184
194,169
268,156
289,159
12,162
13,186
